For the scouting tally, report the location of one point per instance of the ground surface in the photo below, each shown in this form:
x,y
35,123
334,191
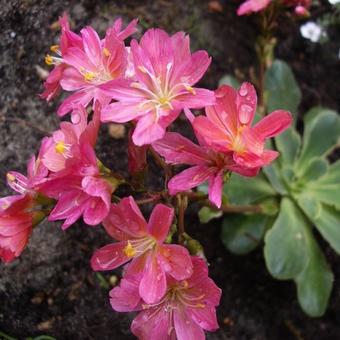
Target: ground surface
x,y
51,289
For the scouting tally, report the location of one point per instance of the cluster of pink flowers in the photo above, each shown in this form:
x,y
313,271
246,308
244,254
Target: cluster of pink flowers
x,y
149,83
301,7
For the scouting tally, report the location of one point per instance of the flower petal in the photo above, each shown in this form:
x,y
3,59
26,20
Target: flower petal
x,y
189,178
153,283
246,102
176,261
186,328
177,149
110,256
215,189
125,221
160,222
273,124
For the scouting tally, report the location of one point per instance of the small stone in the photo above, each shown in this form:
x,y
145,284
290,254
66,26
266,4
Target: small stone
x,y
117,131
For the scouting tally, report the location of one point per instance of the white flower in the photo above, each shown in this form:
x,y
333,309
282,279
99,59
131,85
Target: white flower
x,y
312,31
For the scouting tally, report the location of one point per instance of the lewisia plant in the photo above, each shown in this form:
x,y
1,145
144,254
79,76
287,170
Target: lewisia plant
x,y
146,84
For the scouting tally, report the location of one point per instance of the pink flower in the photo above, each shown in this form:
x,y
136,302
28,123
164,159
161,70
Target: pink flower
x,y
301,7
227,127
85,62
142,243
252,6
80,189
16,220
184,312
206,164
64,144
165,72
67,39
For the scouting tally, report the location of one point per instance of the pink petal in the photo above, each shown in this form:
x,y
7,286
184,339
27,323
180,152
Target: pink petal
x,y
193,69
177,149
246,102
121,112
96,210
153,324
125,221
176,261
273,124
109,257
156,44
125,297
186,328
127,31
189,178
92,45
204,317
153,283
72,80
251,6
148,130
197,100
215,189
160,222
212,134
78,59
82,97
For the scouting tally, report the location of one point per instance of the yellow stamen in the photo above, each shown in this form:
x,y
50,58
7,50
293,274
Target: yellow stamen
x,y
163,100
142,69
48,59
129,250
190,89
200,305
185,284
88,76
106,52
54,48
60,147
10,177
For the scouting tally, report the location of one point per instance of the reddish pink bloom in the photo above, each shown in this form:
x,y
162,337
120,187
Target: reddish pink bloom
x,y
206,164
185,311
80,190
67,39
227,127
142,243
64,144
252,6
165,72
16,220
85,62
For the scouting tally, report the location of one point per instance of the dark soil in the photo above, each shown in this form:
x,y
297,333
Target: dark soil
x,y
51,289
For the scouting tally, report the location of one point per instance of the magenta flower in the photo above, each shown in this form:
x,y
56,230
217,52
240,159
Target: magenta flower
x,y
64,143
165,72
184,312
142,243
206,164
79,189
227,127
252,6
85,62
16,220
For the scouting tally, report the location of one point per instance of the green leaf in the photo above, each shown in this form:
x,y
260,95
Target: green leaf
x,y
327,222
274,175
285,243
288,144
207,214
310,206
281,88
327,188
246,190
314,284
320,136
316,168
243,233
229,80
